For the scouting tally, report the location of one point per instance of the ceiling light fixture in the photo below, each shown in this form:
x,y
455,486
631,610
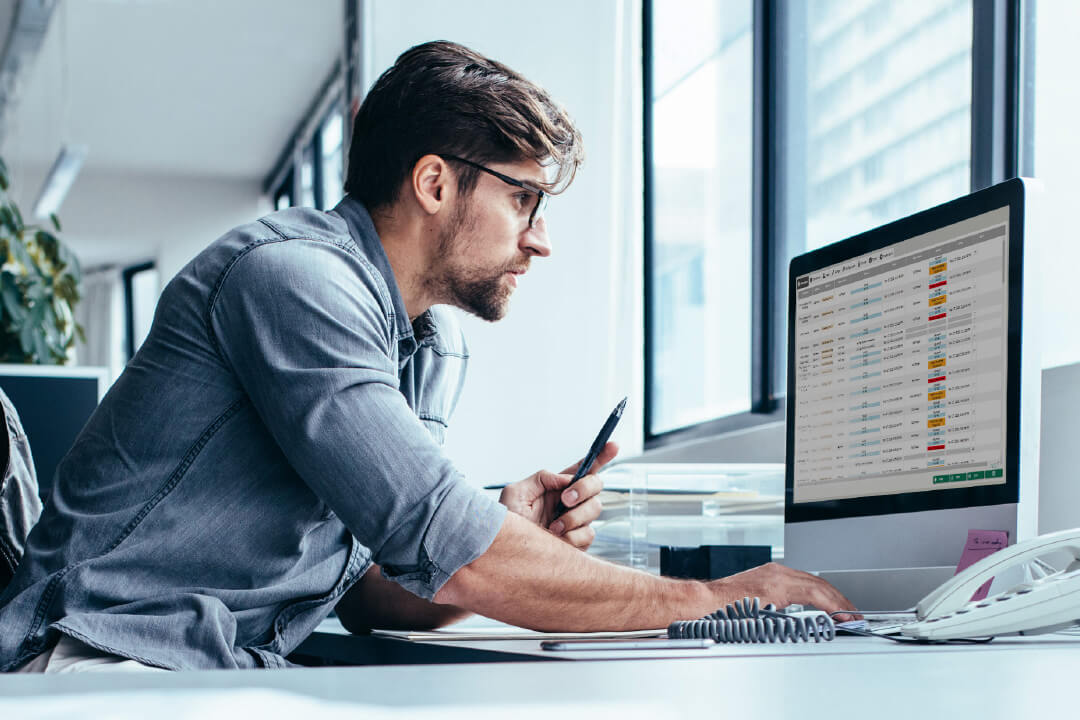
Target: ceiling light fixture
x,y
58,182
72,155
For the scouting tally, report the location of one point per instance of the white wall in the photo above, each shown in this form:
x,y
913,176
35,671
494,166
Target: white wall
x,y
1057,152
118,218
542,381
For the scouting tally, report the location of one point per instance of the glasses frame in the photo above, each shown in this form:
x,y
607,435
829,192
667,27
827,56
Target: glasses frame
x,y
541,194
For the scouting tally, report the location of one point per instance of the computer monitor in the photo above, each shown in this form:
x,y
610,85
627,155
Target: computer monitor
x,y
913,396
54,404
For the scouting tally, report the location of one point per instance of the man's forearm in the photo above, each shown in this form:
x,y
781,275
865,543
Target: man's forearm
x,y
531,579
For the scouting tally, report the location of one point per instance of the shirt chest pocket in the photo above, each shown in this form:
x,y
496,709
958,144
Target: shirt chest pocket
x,y
432,381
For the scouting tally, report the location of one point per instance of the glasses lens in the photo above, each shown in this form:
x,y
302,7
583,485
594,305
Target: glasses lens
x,y
538,210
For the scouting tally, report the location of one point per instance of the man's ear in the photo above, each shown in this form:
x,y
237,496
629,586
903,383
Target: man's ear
x,y
431,183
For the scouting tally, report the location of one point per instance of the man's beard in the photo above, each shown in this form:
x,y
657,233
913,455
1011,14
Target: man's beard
x,y
480,292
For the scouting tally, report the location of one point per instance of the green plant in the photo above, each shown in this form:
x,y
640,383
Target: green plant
x,y
39,288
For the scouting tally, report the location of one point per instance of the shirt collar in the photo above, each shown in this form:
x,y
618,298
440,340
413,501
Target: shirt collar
x,y
362,230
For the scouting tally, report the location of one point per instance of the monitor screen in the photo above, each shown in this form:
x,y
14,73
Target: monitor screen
x,y
903,359
53,405
900,361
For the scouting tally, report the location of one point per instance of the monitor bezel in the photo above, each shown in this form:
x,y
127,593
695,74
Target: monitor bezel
x,y
1010,194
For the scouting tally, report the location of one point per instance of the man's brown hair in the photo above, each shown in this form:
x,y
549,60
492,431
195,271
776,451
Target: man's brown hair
x,y
443,98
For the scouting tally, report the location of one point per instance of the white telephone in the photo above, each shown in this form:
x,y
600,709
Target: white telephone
x,y
1045,604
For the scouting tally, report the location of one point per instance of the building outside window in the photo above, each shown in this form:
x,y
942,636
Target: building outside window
x,y
331,134
702,164
874,124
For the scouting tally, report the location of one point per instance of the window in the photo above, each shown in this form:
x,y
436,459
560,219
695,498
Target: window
x,y
283,194
887,114
310,171
332,157
307,178
1056,148
700,270
141,287
778,126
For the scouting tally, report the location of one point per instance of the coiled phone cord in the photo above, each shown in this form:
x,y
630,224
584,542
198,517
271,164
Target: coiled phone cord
x,y
748,622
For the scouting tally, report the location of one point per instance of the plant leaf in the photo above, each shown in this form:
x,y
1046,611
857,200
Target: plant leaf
x,y
41,350
35,293
39,287
49,245
9,291
26,339
8,218
66,289
19,252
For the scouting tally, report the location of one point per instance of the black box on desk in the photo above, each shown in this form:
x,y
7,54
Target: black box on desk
x,y
710,562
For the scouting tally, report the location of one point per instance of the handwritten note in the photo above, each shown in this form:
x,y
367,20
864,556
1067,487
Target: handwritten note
x,y
981,543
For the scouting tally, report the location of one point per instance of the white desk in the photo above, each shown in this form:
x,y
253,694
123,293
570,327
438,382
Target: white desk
x,y
1004,679
1020,678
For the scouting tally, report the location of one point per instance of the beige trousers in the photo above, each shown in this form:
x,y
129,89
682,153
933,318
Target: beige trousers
x,y
69,656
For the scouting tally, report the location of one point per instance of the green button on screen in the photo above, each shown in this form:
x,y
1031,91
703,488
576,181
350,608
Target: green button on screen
x,y
976,475
995,473
958,477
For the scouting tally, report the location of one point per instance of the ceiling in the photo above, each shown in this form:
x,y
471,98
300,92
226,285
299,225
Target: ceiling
x,y
184,87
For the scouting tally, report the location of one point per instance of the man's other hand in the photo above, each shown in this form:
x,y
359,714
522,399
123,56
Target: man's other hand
x,y
781,586
537,496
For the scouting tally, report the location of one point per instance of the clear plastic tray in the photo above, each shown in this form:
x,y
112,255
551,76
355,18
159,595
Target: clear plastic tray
x,y
648,506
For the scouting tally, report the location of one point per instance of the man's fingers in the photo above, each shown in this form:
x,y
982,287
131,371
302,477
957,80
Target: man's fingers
x,y
581,491
606,455
553,481
581,537
784,586
580,516
824,596
831,600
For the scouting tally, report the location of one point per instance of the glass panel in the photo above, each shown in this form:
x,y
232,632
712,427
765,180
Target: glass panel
x,y
145,287
283,196
332,158
702,166
879,118
1057,147
307,178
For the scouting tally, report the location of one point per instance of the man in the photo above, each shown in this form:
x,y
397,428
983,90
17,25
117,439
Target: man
x,y
19,503
273,450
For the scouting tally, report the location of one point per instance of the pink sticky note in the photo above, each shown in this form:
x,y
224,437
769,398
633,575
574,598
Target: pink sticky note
x,y
981,543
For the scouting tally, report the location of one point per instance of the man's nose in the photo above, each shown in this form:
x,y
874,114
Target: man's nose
x,y
535,239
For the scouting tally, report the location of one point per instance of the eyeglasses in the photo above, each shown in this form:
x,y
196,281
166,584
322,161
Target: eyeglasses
x,y
541,195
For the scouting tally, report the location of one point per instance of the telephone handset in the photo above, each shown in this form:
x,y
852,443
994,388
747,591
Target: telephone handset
x,y
1046,604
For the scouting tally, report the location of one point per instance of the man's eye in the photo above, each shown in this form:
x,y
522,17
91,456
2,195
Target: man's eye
x,y
521,198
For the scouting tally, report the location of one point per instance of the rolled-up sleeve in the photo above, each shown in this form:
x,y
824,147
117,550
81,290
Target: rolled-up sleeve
x,y
303,325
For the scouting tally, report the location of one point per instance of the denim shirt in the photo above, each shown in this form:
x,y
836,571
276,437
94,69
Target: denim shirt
x,y
19,503
279,430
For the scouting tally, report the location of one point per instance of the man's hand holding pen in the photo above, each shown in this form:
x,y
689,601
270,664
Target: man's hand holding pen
x,y
537,497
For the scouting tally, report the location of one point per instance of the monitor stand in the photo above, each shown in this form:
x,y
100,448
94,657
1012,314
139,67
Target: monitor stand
x,y
887,589
890,562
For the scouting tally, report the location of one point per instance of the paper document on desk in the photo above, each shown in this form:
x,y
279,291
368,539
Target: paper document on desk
x,y
508,632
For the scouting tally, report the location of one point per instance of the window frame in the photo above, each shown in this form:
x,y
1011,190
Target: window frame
x,y
336,105
285,177
127,276
1001,146
284,190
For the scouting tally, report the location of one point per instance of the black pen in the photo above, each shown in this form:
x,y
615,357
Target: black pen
x,y
594,451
